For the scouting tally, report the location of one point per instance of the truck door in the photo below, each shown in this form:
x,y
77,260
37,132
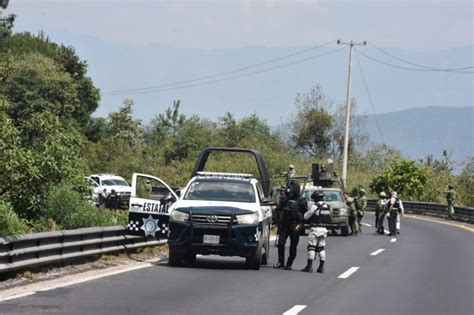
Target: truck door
x,y
150,202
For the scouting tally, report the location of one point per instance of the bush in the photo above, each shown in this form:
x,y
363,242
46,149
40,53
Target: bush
x,y
10,223
66,209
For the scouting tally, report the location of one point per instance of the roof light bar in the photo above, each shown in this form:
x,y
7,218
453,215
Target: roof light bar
x,y
220,174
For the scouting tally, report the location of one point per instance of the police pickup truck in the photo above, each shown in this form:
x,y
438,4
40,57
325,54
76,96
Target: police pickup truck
x,y
227,214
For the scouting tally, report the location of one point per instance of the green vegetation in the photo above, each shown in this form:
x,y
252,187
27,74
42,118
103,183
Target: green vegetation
x,y
49,142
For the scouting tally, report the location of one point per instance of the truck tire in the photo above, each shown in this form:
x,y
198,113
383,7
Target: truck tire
x,y
344,230
174,259
254,261
266,252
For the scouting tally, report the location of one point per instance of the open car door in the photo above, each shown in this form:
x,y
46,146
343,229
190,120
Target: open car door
x,y
150,202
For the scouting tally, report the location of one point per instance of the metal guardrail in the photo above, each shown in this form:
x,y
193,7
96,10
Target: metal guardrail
x,y
460,213
28,250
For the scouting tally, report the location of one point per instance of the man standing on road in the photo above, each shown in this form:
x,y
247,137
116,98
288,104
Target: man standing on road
x,y
318,234
361,205
450,197
380,212
352,214
394,206
290,212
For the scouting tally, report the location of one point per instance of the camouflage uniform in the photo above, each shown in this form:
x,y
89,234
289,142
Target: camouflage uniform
x,y
352,215
361,205
450,196
380,213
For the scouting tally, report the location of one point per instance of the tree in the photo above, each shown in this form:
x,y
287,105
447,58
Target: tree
x,y
66,60
6,23
465,184
169,123
404,177
121,126
318,127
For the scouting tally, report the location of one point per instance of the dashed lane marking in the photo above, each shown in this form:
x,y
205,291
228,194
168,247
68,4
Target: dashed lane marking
x,y
459,225
295,310
393,240
378,251
366,224
386,232
348,273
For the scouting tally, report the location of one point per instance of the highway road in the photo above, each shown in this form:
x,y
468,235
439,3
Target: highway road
x,y
427,269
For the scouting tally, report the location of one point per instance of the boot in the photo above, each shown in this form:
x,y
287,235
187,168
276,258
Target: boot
x,y
309,266
278,265
321,267
288,264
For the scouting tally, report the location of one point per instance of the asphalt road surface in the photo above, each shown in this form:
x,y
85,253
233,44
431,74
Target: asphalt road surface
x,y
427,269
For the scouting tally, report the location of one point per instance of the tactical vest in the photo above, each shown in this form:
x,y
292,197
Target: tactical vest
x,y
290,211
317,218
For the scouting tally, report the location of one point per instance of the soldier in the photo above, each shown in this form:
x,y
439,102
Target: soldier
x,y
361,205
290,212
393,207
380,212
352,215
450,197
317,234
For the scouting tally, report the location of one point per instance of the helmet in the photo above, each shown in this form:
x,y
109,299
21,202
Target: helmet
x,y
450,186
382,194
294,186
393,194
291,166
362,190
317,195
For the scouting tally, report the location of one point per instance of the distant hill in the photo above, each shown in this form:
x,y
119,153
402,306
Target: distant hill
x,y
418,132
271,95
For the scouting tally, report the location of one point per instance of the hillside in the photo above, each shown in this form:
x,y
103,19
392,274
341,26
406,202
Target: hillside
x,y
418,132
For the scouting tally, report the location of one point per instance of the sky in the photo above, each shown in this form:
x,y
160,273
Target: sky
x,y
408,24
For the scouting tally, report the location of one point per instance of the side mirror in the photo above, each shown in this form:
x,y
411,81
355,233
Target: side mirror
x,y
268,201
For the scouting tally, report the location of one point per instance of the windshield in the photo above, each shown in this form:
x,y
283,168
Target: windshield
x,y
114,182
219,190
328,195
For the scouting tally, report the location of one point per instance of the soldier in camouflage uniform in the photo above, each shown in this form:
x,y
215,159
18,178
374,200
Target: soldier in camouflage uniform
x,y
380,212
361,205
450,196
352,215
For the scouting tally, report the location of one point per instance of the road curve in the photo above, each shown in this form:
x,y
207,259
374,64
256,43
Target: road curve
x,y
428,269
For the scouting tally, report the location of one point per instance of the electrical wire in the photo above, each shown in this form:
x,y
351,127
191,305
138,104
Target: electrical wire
x,y
228,78
412,69
418,65
225,72
370,98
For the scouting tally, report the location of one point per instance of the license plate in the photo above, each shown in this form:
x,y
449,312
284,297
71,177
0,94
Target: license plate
x,y
211,239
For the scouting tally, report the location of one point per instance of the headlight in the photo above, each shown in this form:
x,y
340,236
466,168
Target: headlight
x,y
251,218
343,211
177,215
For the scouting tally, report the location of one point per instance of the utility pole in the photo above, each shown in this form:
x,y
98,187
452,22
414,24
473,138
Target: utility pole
x,y
351,44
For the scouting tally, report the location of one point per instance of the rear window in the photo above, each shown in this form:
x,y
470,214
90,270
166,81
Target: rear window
x,y
220,190
114,182
328,195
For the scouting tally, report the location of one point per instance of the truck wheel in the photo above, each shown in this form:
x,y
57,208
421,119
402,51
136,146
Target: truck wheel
x,y
345,230
174,259
266,252
253,262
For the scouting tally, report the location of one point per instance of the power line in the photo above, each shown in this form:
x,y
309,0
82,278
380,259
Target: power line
x,y
228,78
223,73
370,98
411,69
418,65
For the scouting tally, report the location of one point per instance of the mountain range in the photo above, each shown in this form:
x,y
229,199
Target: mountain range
x,y
418,110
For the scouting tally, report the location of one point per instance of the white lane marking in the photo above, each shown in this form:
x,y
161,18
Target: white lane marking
x,y
386,232
393,240
366,224
348,273
295,310
33,288
378,251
